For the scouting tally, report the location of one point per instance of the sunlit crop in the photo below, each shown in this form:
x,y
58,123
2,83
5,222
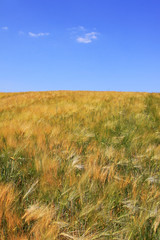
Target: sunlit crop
x,y
79,165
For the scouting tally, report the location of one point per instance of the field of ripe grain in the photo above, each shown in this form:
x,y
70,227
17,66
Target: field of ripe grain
x,y
79,166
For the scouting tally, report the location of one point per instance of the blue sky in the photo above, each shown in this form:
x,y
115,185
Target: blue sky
x,y
102,45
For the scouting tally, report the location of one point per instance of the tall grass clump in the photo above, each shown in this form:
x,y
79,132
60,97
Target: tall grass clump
x,y
79,165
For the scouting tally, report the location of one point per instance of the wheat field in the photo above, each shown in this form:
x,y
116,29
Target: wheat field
x,y
79,165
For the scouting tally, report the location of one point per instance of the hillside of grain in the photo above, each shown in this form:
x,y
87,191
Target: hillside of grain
x,y
79,165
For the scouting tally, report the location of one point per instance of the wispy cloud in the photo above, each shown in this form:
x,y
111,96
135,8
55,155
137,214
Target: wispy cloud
x,y
4,28
87,38
82,35
36,35
78,29
82,28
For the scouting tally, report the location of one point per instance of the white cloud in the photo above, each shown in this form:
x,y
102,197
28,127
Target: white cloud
x,y
82,35
87,38
81,28
75,30
5,28
38,34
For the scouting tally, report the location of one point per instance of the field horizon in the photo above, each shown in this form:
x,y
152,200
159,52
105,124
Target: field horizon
x,y
81,165
83,91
